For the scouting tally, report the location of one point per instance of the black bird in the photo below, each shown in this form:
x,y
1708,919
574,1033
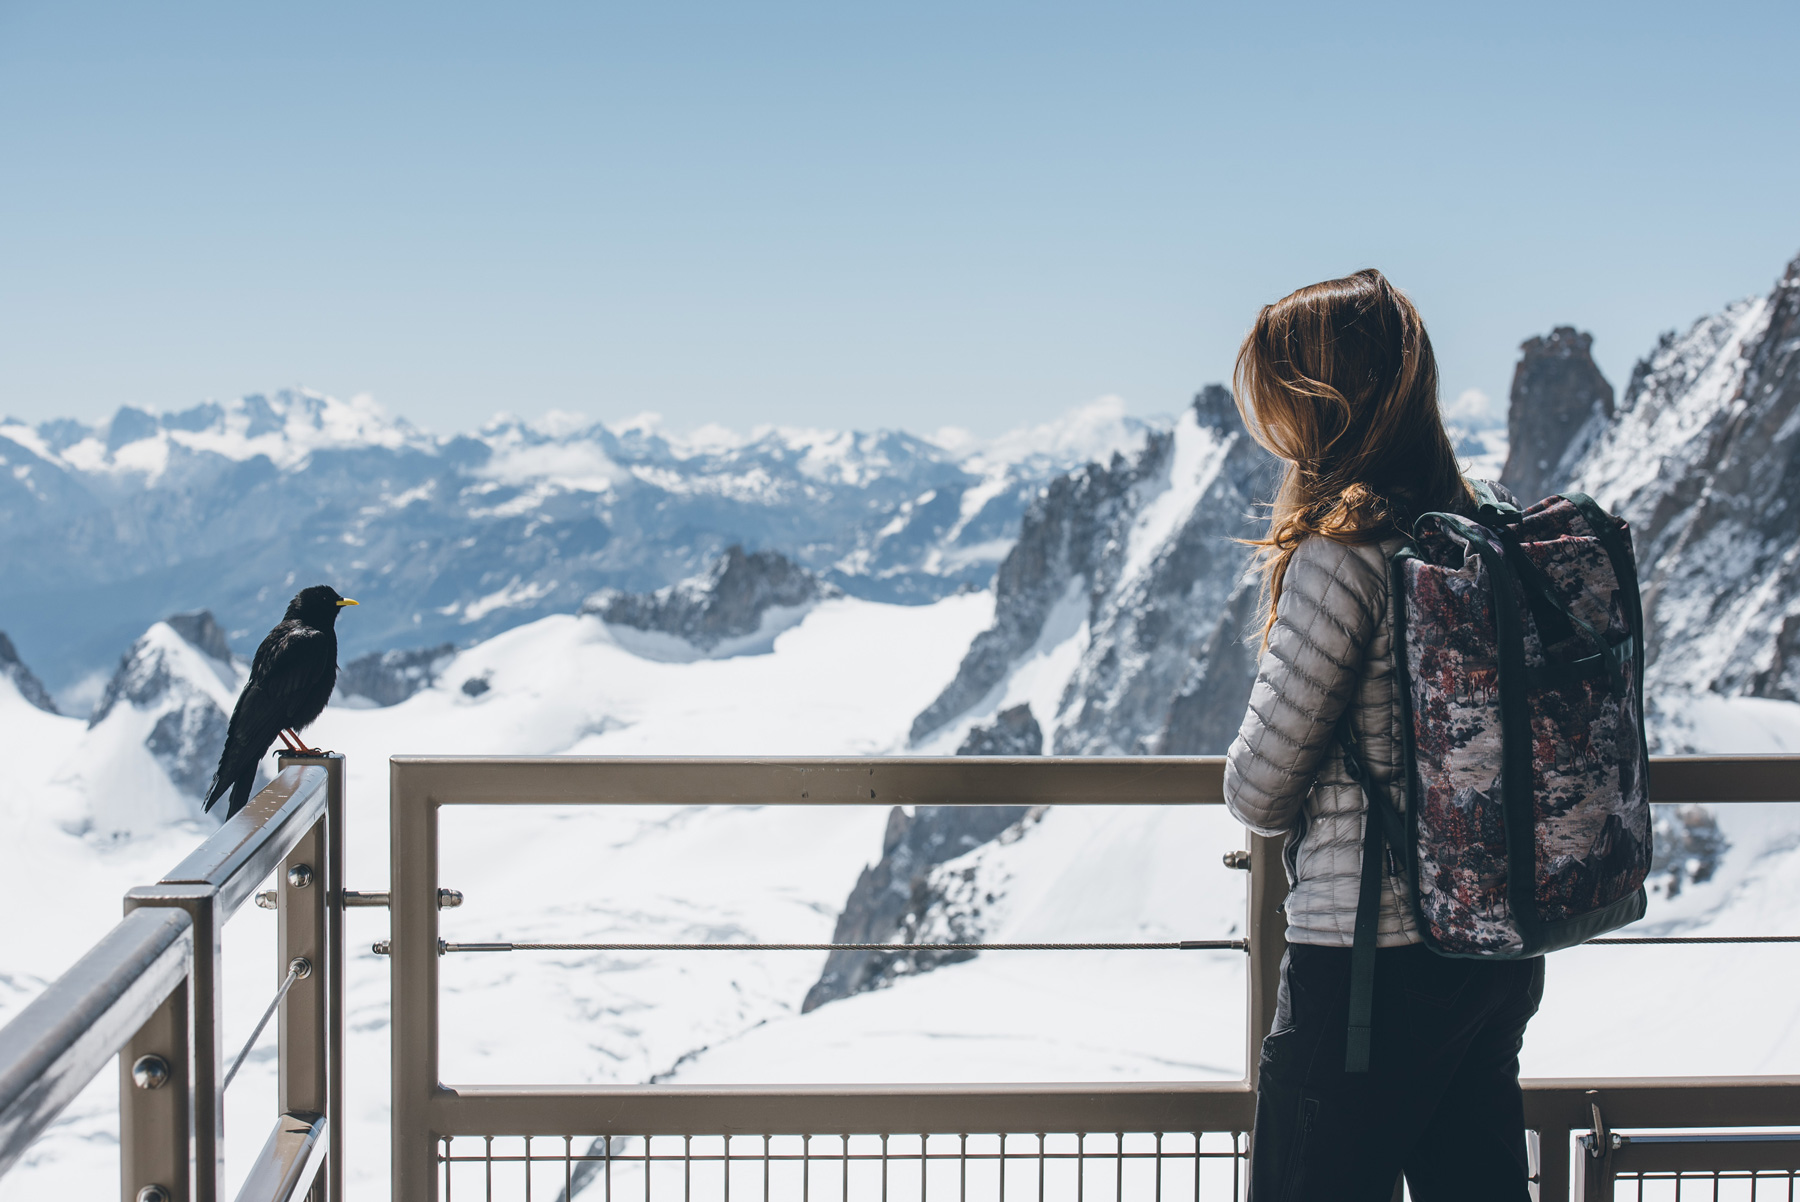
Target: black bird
x,y
290,681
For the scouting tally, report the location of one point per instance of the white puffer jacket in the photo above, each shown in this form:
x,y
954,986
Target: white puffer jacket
x,y
1332,647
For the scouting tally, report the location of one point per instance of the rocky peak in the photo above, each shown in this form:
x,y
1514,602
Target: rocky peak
x,y
1013,732
390,677
732,600
146,673
1068,539
900,900
1703,460
29,686
173,690
129,425
1214,407
202,632
1561,404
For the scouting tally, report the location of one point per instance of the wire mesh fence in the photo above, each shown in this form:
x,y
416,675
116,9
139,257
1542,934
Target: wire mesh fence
x,y
1719,1185
1702,1166
1067,1167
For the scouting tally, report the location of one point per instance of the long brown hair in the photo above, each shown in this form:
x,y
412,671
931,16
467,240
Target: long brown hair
x,y
1338,379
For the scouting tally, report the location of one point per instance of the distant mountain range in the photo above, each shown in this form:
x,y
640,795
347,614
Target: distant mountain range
x,y
233,506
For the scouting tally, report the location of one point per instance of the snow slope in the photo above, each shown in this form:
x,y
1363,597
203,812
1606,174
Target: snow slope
x,y
846,680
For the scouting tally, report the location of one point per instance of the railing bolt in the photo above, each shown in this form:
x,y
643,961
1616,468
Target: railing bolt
x,y
449,899
300,876
154,1193
150,1072
266,899
383,948
1238,859
301,967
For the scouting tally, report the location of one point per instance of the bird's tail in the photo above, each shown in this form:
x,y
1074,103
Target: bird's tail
x,y
216,790
240,792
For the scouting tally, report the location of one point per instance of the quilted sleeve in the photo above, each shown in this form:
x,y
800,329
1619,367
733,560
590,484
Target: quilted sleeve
x,y
1331,602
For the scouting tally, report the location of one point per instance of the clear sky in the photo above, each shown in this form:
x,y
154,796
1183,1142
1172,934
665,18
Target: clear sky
x,y
844,213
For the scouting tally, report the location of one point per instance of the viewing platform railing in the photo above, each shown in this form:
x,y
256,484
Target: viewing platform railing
x,y
149,994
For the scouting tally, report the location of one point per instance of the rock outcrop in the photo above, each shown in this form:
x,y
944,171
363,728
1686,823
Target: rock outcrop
x,y
1561,405
1206,714
1167,628
390,677
743,596
29,686
1144,556
202,632
899,900
1013,732
1067,541
1689,846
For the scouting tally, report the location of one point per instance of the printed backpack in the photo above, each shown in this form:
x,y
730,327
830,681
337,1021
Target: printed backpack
x,y
1519,653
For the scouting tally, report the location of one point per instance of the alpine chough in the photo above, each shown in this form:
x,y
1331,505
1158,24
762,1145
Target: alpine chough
x,y
290,681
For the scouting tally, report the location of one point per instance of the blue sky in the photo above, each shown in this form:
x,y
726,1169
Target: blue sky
x,y
853,214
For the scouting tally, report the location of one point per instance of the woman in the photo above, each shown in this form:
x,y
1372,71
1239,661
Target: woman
x,y
1339,381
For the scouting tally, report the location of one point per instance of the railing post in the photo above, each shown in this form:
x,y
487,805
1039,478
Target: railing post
x,y
1267,927
413,961
312,1016
156,1103
302,887
205,1051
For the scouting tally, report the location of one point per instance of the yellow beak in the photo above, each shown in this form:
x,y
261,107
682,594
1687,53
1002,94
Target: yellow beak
x,y
343,601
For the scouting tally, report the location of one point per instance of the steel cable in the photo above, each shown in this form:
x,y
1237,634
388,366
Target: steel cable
x,y
296,970
1185,945
1699,939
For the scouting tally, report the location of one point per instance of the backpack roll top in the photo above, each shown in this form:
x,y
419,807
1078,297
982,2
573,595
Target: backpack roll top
x,y
1519,640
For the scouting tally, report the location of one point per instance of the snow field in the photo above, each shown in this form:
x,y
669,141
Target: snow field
x,y
846,680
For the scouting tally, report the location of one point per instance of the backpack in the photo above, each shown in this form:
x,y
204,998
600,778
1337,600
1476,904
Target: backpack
x,y
1519,654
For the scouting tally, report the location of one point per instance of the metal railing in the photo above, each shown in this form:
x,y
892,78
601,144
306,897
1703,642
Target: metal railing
x,y
431,1121
150,994
438,1128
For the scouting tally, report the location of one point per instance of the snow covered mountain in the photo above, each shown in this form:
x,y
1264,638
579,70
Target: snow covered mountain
x,y
1117,599
1701,457
233,505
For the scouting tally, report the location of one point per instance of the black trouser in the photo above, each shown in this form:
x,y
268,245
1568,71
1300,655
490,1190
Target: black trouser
x,y
1440,1101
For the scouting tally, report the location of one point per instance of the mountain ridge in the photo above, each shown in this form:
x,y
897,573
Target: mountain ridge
x,y
233,505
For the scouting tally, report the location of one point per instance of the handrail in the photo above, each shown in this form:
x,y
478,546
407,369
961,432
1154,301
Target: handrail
x,y
1724,779
158,967
970,780
252,843
289,1162
817,780
66,1036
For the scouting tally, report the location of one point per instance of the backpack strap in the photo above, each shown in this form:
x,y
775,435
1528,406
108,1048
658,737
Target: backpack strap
x,y
1382,828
